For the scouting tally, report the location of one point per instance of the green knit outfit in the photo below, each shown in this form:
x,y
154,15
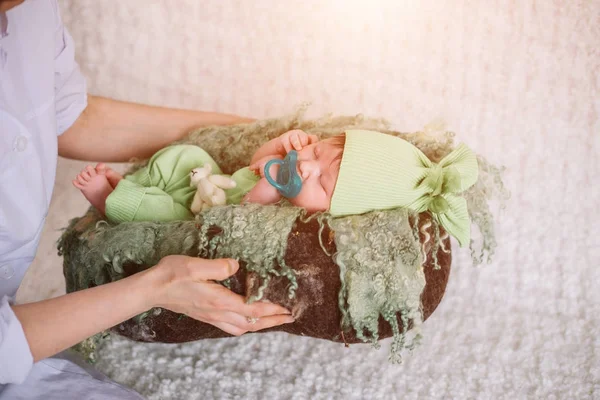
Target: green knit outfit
x,y
161,191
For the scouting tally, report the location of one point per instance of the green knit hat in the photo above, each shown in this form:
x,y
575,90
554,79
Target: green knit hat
x,y
380,171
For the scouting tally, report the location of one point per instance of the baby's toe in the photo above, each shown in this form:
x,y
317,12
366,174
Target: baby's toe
x,y
91,171
110,173
101,168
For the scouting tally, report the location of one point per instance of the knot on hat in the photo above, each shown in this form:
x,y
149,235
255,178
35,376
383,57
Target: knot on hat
x,y
441,185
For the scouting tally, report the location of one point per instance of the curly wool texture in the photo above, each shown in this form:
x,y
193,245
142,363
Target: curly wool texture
x,y
381,272
378,253
114,247
255,234
488,186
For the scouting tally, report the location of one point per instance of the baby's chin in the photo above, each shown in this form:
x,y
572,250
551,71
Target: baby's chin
x,y
311,208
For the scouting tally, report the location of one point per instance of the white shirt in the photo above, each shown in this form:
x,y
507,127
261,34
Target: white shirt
x,y
42,92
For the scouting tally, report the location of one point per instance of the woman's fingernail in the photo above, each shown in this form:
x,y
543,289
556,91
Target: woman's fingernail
x,y
233,265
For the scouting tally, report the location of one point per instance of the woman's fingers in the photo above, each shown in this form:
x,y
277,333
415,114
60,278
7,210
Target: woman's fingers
x,y
231,329
260,309
269,322
224,299
186,284
236,324
250,323
217,270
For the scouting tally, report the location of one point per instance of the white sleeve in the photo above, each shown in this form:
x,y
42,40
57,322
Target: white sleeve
x,y
15,356
70,87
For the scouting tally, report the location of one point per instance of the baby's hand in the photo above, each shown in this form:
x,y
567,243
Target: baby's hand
x,y
262,193
296,139
259,166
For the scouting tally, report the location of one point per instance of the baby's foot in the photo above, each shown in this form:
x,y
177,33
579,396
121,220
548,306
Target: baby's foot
x,y
113,177
95,186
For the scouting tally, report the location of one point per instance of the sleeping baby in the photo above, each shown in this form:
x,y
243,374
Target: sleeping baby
x,y
352,173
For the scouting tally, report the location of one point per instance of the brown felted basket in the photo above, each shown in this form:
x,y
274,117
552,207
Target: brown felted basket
x,y
315,305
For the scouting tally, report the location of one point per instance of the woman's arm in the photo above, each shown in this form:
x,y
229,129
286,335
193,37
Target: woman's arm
x,y
178,283
116,131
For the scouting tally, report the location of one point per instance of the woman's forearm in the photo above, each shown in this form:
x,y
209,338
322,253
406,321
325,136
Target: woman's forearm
x,y
178,283
115,131
56,324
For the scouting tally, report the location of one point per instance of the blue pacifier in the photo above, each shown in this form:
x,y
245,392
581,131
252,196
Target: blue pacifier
x,y
288,182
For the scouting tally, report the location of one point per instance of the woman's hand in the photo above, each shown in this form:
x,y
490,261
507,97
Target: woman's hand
x,y
186,285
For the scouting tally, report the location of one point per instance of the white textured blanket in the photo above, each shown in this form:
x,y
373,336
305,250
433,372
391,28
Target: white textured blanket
x,y
518,81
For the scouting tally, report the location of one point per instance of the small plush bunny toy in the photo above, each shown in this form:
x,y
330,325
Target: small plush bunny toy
x,y
210,188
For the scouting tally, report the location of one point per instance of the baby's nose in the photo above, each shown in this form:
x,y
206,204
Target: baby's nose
x,y
308,168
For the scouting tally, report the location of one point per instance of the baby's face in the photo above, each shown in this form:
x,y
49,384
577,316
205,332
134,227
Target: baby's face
x,y
318,165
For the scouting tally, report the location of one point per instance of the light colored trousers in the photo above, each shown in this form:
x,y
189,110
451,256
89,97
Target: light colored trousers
x,y
66,376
